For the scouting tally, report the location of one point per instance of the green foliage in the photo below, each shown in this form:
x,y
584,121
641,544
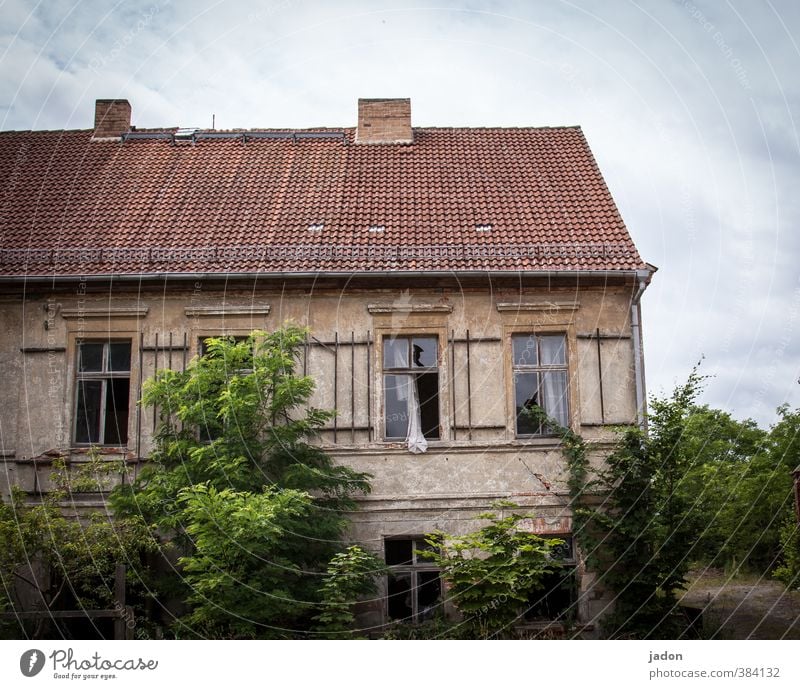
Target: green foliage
x,y
788,571
66,561
698,486
235,486
639,537
244,559
492,572
738,486
436,629
351,575
650,537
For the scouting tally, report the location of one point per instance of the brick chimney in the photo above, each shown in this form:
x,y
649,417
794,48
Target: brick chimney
x,y
112,117
384,121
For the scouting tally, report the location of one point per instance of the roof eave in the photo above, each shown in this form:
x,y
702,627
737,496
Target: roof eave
x,y
637,273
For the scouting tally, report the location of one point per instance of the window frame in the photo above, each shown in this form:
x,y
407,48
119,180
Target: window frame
x,y
416,567
104,376
565,568
410,336
539,368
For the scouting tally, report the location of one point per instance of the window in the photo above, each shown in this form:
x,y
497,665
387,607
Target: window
x,y
411,390
103,393
556,597
414,589
540,379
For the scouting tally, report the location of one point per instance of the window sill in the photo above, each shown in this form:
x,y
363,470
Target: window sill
x,y
537,440
379,447
101,449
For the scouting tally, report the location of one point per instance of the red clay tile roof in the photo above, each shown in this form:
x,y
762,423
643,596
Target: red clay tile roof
x,y
70,205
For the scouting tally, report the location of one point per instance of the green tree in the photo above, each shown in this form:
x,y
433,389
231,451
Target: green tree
x,y
738,486
788,569
493,572
66,561
351,575
640,537
234,486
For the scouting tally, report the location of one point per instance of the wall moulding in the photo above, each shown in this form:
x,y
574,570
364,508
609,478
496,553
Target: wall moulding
x,y
546,306
227,310
409,308
105,312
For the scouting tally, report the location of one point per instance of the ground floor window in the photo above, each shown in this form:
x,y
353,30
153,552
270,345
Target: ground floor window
x,y
557,597
414,587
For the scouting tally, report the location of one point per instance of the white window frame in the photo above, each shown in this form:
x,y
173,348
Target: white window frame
x,y
392,371
539,368
104,376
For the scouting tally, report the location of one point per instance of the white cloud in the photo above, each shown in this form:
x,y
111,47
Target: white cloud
x,y
691,109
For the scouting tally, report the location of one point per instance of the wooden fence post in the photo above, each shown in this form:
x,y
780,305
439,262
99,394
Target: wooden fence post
x,y
119,603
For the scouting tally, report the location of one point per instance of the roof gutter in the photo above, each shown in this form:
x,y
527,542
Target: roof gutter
x,y
294,275
643,277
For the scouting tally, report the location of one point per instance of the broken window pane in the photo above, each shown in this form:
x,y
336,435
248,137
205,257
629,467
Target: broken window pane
x,y
526,395
424,352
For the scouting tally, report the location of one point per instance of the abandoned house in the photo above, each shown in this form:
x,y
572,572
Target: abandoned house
x,y
449,277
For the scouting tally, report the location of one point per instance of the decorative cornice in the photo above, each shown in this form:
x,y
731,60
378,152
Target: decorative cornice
x,y
548,306
409,308
105,312
227,310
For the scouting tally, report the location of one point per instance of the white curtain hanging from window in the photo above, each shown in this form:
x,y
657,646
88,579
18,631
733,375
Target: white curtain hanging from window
x,y
554,390
407,390
416,439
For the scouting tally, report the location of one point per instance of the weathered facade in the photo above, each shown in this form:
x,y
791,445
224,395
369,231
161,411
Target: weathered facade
x,y
449,278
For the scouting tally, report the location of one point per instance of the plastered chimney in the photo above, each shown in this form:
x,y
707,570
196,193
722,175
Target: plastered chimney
x,y
112,117
384,121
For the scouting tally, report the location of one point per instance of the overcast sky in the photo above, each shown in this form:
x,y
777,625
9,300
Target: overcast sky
x,y
691,109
